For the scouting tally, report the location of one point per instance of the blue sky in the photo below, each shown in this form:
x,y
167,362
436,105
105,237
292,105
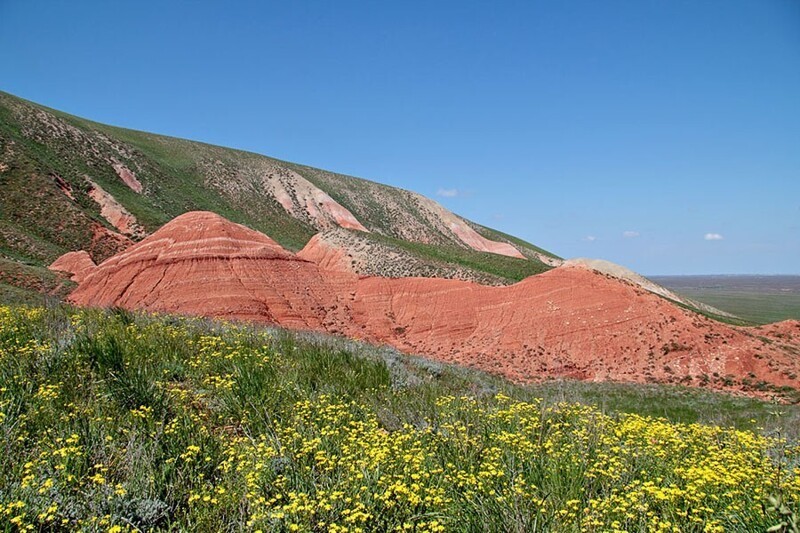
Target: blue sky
x,y
663,135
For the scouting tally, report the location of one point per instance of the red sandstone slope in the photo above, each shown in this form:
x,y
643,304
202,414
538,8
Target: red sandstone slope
x,y
570,321
77,264
326,257
202,264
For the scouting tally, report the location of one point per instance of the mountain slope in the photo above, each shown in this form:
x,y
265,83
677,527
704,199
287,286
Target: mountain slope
x,y
569,322
69,184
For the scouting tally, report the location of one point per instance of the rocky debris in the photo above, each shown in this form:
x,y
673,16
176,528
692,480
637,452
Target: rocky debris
x,y
288,190
340,249
127,176
106,242
548,260
788,330
386,210
114,212
327,256
406,215
77,264
528,251
63,185
302,199
569,322
59,134
44,127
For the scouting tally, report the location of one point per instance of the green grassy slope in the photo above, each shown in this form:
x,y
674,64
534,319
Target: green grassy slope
x,y
170,168
757,299
758,308
525,247
110,419
30,284
40,147
509,268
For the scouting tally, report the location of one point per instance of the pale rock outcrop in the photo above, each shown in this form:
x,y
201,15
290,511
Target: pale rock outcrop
x,y
114,212
325,255
304,200
127,176
458,227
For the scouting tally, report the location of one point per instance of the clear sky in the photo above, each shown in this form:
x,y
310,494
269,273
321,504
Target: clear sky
x,y
662,135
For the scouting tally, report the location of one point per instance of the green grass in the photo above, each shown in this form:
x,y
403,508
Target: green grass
x,y
30,280
676,403
496,235
511,269
725,319
11,294
755,307
112,419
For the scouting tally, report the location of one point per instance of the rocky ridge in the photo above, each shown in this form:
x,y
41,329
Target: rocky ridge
x,y
571,321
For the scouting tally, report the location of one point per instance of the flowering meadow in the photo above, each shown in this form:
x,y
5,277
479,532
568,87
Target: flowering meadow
x,y
114,421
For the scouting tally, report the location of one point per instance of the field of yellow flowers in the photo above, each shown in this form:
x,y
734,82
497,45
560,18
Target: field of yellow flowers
x,y
113,421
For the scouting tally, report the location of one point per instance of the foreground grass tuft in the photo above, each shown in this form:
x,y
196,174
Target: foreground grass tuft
x,y
115,421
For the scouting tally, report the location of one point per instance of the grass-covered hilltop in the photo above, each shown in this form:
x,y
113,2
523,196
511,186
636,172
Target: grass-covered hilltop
x,y
119,421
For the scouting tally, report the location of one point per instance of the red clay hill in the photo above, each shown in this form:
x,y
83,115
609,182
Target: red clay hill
x,y
569,322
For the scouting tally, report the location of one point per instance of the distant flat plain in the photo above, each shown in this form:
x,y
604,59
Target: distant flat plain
x,y
760,299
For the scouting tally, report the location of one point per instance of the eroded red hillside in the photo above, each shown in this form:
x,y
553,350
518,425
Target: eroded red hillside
x,y
202,264
570,321
77,264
